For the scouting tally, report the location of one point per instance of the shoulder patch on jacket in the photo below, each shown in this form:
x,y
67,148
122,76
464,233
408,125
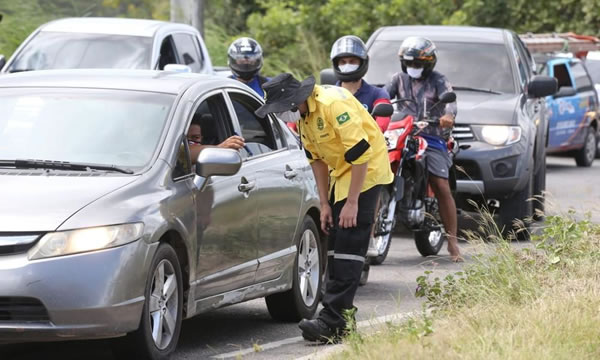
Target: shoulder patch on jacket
x,y
342,118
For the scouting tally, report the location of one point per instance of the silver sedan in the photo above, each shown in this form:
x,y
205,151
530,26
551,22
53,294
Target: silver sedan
x,y
109,228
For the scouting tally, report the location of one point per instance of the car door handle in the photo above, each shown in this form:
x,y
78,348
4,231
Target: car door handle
x,y
246,186
289,172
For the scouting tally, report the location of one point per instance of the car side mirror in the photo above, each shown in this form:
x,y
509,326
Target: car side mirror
x,y
218,162
178,68
2,61
383,109
541,86
565,91
327,77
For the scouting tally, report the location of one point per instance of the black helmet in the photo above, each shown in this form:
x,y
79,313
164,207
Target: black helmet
x,y
418,50
349,45
245,58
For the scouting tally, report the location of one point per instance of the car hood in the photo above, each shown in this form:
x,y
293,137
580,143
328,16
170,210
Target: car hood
x,y
30,203
485,109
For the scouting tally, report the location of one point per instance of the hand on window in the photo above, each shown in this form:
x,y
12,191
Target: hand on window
x,y
234,142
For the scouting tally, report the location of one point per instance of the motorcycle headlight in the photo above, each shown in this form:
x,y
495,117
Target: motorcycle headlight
x,y
82,240
392,136
499,135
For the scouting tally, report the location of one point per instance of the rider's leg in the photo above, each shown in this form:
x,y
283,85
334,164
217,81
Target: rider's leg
x,y
441,188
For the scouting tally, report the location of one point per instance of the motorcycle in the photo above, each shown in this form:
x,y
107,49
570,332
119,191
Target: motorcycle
x,y
410,198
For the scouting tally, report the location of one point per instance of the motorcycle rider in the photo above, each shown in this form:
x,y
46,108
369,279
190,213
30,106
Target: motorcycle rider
x,y
350,63
418,81
245,59
339,134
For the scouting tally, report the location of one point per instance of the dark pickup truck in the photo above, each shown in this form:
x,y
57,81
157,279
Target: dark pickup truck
x,y
501,112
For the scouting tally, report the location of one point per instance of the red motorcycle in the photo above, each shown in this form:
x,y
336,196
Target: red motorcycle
x,y
410,198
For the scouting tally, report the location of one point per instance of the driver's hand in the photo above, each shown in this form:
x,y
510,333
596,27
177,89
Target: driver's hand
x,y
447,121
234,142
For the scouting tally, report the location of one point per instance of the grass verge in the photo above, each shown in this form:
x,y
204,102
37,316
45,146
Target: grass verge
x,y
534,302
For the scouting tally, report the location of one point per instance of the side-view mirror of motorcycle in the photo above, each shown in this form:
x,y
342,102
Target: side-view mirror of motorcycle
x,y
446,98
383,110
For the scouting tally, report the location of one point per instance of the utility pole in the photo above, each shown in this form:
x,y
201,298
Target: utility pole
x,y
189,12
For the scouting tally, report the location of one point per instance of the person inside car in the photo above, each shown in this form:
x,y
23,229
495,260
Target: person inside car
x,y
197,141
245,59
418,81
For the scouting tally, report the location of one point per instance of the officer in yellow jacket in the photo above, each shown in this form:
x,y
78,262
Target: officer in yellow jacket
x,y
349,159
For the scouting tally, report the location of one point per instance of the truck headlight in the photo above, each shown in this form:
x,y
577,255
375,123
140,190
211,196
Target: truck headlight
x,y
82,240
392,136
498,135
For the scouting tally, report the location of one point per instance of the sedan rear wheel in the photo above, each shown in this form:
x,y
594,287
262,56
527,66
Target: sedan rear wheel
x,y
301,301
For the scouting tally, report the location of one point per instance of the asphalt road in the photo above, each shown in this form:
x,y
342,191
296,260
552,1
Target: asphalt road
x,y
246,329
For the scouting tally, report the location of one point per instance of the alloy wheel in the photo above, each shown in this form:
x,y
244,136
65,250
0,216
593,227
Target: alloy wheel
x,y
163,305
308,267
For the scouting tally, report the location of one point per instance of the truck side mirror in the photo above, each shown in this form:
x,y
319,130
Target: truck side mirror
x,y
541,86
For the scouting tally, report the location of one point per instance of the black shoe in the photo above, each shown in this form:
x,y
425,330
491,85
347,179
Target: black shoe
x,y
317,330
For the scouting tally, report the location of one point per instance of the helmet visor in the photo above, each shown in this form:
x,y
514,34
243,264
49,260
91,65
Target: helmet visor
x,y
245,62
348,46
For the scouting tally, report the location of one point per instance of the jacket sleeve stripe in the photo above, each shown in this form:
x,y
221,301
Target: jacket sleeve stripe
x,y
356,151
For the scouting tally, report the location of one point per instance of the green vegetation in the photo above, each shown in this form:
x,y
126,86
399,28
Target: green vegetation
x,y
534,302
296,35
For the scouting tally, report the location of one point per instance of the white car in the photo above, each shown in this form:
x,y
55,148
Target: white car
x,y
93,43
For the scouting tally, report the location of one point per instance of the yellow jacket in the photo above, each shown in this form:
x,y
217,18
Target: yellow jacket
x,y
339,131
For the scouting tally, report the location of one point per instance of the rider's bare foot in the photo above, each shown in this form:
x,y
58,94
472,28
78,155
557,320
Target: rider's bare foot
x,y
454,251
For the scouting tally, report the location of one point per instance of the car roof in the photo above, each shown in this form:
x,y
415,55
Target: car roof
x,y
471,34
111,26
135,80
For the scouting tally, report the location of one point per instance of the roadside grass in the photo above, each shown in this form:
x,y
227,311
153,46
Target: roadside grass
x,y
535,302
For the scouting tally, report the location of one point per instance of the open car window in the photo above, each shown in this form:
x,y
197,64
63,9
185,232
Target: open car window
x,y
257,132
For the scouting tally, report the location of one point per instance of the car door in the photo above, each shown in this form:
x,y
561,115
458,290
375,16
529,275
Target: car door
x,y
188,51
226,211
588,100
565,113
279,181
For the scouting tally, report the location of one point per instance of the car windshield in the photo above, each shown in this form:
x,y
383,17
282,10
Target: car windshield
x,y
480,66
108,127
58,50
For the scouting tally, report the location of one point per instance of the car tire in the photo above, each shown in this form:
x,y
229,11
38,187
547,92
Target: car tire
x,y
598,146
539,187
585,156
164,298
301,301
519,207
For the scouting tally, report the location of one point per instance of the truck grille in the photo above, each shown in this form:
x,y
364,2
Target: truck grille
x,y
22,309
462,132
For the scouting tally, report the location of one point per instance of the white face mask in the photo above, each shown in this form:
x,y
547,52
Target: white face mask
x,y
289,116
347,68
414,72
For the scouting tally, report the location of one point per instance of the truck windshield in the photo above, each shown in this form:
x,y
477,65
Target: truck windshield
x,y
64,50
479,66
105,127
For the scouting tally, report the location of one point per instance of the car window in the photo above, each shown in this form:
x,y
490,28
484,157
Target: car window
x,y
183,164
209,125
522,64
108,127
278,133
187,48
562,75
582,81
58,50
256,131
167,53
484,66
